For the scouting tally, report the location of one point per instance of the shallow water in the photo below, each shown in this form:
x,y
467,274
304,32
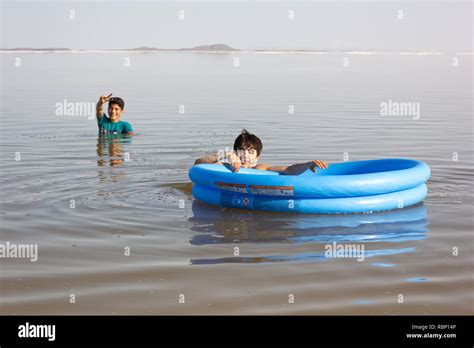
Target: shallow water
x,y
84,199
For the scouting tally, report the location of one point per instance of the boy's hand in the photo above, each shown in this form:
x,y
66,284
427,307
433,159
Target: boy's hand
x,y
317,163
100,109
234,160
104,98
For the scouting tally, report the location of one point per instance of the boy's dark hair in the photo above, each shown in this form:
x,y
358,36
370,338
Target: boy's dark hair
x,y
118,101
247,141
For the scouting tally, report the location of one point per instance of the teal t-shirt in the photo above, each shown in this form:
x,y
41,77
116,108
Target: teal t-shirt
x,y
108,127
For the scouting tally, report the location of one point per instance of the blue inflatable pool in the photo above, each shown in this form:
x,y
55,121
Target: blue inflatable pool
x,y
346,187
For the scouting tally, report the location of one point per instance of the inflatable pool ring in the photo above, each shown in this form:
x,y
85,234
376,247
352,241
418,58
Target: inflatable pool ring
x,y
346,187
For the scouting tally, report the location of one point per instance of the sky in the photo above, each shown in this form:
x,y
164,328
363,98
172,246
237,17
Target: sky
x,y
338,25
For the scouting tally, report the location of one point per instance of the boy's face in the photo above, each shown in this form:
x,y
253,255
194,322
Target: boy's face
x,y
115,112
248,157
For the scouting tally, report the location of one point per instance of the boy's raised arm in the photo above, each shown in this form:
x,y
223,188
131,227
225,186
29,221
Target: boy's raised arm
x,y
100,104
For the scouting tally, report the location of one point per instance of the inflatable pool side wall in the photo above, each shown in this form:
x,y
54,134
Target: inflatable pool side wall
x,y
389,201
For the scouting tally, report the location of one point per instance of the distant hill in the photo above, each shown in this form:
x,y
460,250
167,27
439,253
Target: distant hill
x,y
146,49
215,47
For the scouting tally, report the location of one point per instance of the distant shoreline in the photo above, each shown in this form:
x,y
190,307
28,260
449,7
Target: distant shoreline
x,y
222,48
428,53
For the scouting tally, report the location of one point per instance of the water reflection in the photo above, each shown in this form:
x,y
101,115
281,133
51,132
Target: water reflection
x,y
230,226
111,154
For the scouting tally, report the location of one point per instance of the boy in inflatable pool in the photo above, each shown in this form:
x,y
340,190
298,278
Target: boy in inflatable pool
x,y
247,149
112,124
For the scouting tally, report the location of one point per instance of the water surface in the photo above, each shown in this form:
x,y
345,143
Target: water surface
x,y
134,192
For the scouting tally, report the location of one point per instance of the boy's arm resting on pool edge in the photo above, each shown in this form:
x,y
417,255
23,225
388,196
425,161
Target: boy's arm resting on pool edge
x,y
209,159
294,169
216,158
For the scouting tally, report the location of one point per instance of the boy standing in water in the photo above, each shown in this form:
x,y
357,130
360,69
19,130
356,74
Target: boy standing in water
x,y
247,150
112,124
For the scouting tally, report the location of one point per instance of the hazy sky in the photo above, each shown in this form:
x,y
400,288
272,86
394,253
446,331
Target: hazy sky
x,y
440,25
